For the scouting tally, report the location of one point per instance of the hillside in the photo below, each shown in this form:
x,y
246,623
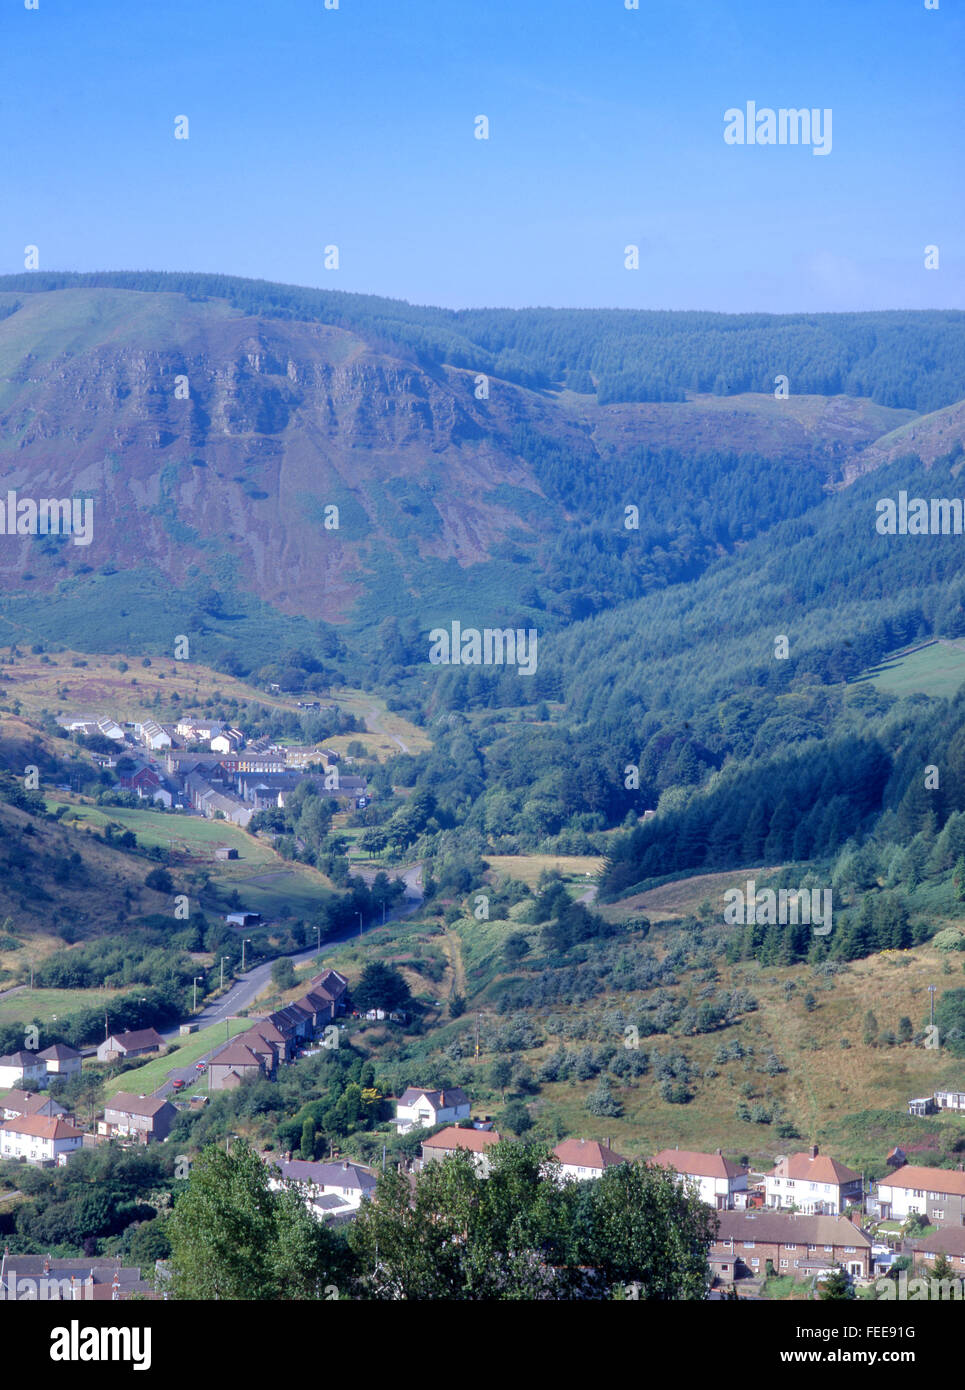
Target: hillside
x,y
212,422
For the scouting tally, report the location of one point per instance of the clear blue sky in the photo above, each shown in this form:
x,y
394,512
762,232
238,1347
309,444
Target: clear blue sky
x,y
355,127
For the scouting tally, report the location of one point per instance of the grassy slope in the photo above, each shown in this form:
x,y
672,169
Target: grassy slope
x,y
62,688
851,1100
938,670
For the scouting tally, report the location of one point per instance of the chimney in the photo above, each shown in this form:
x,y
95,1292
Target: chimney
x,y
814,1150
718,1153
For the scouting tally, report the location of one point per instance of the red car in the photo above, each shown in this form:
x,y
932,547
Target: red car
x,y
178,1084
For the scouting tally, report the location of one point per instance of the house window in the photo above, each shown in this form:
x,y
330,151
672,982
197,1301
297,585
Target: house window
x,y
754,1260
829,1248
749,1245
784,1264
850,1249
938,1215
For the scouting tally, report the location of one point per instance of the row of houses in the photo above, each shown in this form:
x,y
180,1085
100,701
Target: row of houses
x,y
808,1183
276,1039
80,1279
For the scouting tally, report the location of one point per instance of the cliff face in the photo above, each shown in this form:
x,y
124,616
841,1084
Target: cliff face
x,y
200,433
212,443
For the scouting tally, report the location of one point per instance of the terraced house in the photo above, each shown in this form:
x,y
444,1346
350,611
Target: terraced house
x,y
790,1241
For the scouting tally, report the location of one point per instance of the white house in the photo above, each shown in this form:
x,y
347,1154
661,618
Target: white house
x,y
153,735
16,1103
813,1183
419,1109
39,1139
22,1066
61,1060
716,1178
110,729
585,1158
228,741
950,1100
199,730
329,1189
938,1194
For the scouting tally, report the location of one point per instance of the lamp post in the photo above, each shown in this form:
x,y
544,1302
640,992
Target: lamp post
x,y
318,936
245,942
223,959
196,979
359,915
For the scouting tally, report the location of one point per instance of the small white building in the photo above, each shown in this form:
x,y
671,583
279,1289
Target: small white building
x,y
950,1100
420,1109
39,1139
717,1178
22,1066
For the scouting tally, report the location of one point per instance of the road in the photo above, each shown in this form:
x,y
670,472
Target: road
x,y
373,722
250,985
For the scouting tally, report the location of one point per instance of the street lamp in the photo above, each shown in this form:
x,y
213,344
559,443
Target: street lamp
x,y
246,942
196,979
223,959
359,915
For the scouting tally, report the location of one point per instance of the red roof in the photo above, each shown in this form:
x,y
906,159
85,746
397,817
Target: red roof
x,y
698,1165
475,1140
42,1126
927,1180
587,1153
815,1167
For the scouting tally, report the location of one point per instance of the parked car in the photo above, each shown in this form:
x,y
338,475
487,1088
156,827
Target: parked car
x,y
178,1084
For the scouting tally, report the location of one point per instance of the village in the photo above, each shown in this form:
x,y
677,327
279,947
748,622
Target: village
x,y
807,1217
208,767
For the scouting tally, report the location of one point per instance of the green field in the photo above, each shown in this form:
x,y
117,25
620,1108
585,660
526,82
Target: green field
x,y
275,883
938,669
182,1053
51,1004
185,833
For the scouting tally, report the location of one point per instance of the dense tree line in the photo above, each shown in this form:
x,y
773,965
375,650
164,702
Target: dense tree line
x,y
911,359
518,1234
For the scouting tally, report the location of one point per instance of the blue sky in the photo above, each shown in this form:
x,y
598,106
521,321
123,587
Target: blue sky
x,y
354,127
